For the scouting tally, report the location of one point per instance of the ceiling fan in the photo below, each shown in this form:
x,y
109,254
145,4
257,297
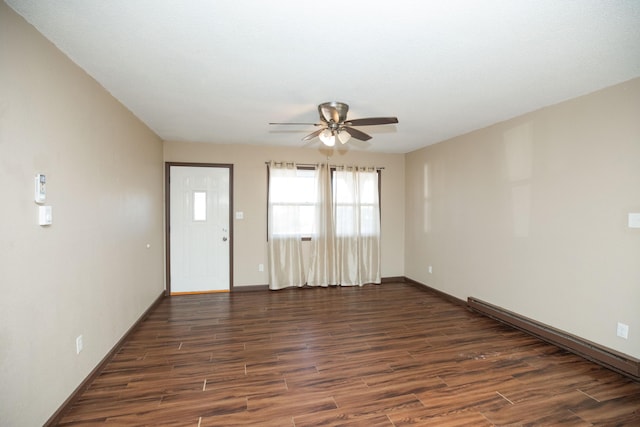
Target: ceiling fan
x,y
335,126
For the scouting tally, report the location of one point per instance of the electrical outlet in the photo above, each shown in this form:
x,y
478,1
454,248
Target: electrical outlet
x,y
430,269
79,344
623,330
260,267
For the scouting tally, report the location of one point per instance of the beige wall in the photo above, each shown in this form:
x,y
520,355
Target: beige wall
x,y
90,272
250,197
531,215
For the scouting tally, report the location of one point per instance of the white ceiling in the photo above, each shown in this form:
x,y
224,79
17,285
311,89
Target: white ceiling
x,y
219,71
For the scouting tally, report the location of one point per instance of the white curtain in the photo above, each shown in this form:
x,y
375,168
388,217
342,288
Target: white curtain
x,y
284,246
356,209
339,210
322,268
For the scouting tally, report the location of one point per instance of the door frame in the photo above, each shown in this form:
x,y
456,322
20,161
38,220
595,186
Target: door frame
x,y
167,217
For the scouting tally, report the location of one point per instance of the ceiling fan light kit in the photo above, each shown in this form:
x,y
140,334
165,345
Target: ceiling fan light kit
x,y
328,137
335,126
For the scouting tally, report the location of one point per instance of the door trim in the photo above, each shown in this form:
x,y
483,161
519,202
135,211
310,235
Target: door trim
x,y
167,217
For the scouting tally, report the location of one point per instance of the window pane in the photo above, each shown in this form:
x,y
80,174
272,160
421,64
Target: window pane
x,y
368,187
368,220
292,198
307,219
355,195
199,205
301,189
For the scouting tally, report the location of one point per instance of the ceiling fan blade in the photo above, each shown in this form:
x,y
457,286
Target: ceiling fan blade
x,y
333,111
372,121
301,124
357,134
313,135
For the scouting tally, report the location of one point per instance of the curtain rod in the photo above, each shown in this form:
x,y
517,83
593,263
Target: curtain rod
x,y
310,165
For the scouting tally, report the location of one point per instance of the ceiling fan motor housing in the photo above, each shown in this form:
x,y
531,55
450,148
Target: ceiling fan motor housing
x,y
333,112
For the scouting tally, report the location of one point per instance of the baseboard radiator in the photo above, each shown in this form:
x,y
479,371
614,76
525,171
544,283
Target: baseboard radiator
x,y
616,361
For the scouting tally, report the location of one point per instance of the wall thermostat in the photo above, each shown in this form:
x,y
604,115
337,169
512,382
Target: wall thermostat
x,y
41,188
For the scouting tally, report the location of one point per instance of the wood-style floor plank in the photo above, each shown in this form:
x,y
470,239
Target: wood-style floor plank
x,y
388,355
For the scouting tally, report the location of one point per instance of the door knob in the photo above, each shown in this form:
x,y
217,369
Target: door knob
x,y
224,239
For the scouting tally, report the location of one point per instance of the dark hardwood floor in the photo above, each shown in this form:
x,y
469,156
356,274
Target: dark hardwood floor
x,y
388,355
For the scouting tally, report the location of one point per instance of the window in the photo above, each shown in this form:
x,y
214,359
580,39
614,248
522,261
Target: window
x,y
338,209
356,202
293,199
199,205
294,202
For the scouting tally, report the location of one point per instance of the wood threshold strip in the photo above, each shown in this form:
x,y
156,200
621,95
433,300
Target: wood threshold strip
x,y
221,291
609,358
68,403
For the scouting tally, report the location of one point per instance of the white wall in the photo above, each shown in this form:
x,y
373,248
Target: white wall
x,y
531,215
90,272
250,197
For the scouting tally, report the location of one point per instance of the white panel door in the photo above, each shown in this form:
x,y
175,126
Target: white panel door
x,y
199,228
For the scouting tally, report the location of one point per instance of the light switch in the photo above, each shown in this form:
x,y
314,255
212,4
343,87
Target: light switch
x,y
634,220
45,216
239,215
